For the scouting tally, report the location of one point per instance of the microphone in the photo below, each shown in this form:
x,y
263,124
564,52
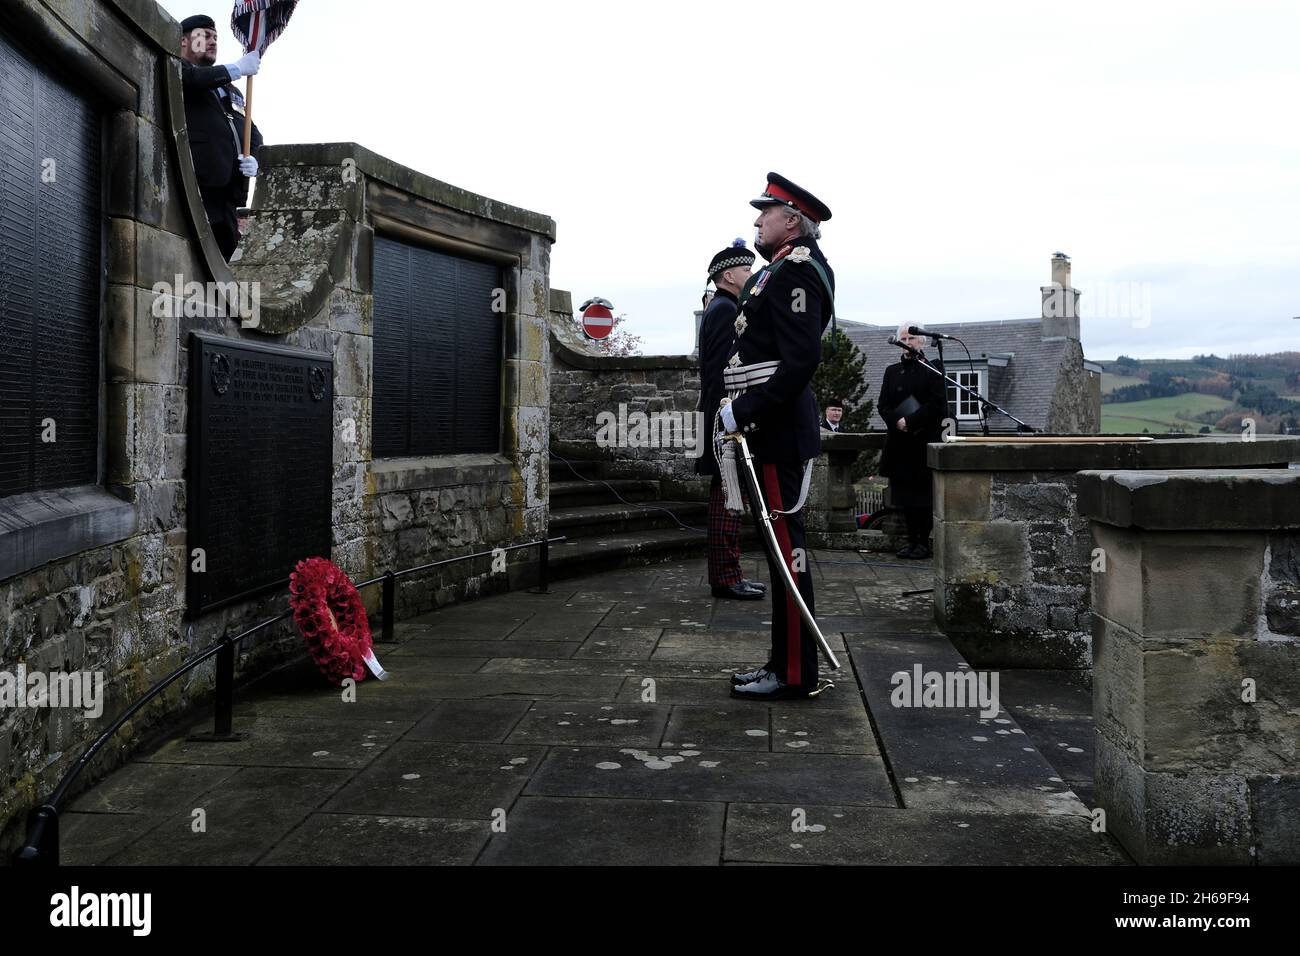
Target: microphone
x,y
893,340
917,330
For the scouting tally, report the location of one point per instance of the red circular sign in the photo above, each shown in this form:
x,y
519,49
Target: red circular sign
x,y
597,320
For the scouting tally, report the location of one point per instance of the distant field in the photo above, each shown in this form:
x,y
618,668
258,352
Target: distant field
x,y
1110,381
1160,414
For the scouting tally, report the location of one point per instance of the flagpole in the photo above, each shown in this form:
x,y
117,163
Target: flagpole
x,y
248,117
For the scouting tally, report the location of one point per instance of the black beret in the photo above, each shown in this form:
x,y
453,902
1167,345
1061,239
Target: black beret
x,y
734,255
196,21
783,192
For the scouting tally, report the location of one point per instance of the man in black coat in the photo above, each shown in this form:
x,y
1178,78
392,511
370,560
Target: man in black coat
x,y
728,271
913,403
784,309
216,127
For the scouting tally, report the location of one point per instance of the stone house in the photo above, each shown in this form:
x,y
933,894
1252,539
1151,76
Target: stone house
x,y
1034,368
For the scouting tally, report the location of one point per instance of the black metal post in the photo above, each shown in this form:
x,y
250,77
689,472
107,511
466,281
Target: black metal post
x,y
389,609
225,698
42,847
544,564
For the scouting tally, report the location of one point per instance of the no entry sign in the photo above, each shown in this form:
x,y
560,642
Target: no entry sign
x,y
597,318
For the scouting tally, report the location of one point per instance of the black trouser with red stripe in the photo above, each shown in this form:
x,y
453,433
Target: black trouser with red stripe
x,y
794,648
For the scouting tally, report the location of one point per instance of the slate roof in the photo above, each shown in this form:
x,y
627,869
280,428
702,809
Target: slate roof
x,y
1024,386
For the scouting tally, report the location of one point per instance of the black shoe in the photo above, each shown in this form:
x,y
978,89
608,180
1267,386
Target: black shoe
x,y
921,552
744,591
908,551
756,585
770,687
748,677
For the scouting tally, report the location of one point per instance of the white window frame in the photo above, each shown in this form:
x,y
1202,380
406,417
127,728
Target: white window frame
x,y
958,400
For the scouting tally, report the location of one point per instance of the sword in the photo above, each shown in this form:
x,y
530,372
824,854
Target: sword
x,y
774,549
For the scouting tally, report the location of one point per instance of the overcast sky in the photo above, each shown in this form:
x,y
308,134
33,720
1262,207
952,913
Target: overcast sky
x,y
958,145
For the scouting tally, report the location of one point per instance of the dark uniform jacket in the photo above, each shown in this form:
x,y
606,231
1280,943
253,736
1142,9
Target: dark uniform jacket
x,y
717,332
216,135
782,410
904,455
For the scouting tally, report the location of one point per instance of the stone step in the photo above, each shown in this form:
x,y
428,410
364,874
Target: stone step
x,y
581,556
570,468
578,493
589,521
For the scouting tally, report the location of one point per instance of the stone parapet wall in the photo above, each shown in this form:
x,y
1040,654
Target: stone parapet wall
x,y
587,384
1012,553
1196,662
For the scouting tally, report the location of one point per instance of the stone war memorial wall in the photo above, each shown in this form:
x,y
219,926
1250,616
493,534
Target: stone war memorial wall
x,y
98,554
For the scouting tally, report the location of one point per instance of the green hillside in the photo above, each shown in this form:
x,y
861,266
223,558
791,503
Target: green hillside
x,y
1175,413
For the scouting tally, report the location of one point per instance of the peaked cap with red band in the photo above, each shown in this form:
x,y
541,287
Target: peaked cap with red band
x,y
783,192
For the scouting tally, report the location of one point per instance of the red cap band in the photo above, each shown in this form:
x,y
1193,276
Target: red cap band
x,y
776,192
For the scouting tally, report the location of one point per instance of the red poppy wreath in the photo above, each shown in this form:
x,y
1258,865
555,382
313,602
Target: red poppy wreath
x,y
332,619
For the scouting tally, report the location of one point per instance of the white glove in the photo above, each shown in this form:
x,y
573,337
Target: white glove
x,y
246,65
248,166
729,419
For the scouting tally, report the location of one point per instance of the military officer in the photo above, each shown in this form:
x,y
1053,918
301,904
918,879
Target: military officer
x,y
784,308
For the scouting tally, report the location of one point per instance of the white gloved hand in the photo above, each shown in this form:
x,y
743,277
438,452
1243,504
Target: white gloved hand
x,y
246,65
248,166
729,419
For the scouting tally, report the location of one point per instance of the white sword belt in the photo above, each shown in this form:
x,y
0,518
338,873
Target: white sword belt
x,y
736,379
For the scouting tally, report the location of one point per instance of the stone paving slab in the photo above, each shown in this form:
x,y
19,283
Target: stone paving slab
x,y
524,686
471,721
480,650
548,831
948,757
241,817
408,656
1065,742
873,835
1047,693
374,700
431,779
748,726
346,839
657,615
286,742
150,788
712,775
574,723
622,668
623,643
88,839
672,690
573,625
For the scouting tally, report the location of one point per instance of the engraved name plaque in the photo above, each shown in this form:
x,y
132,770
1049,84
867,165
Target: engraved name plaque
x,y
260,458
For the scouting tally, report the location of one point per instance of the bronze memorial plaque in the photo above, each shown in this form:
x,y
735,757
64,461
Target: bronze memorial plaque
x,y
261,451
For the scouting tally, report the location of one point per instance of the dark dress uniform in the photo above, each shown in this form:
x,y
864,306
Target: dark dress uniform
x,y
785,307
903,461
216,134
716,335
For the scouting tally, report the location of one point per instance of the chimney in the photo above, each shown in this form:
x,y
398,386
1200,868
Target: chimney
x,y
1060,302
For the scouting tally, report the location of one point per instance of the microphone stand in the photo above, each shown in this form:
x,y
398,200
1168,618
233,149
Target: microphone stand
x,y
984,403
